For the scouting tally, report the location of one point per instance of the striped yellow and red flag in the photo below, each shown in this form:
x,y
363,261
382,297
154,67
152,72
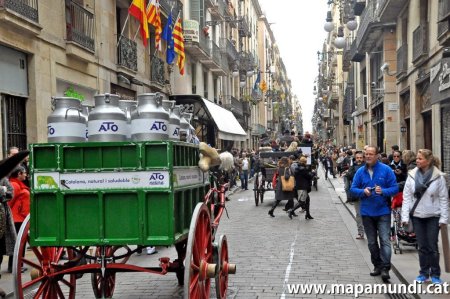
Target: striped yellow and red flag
x,y
154,18
179,44
137,10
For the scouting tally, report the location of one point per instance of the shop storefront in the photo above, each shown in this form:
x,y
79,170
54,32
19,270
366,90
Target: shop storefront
x,y
440,93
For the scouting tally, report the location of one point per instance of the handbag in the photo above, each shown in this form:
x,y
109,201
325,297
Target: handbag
x,y
289,183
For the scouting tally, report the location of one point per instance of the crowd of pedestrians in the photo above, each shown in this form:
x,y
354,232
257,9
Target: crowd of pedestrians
x,y
379,184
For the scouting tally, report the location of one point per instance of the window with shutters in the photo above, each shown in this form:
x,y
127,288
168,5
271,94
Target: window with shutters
x,y
13,122
198,12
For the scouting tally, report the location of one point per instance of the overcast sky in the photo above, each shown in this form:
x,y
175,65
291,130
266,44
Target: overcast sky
x,y
299,33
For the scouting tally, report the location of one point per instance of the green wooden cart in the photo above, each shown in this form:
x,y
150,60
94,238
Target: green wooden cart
x,y
109,196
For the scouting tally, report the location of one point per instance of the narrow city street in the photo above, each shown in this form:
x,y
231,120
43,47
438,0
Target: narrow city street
x,y
270,253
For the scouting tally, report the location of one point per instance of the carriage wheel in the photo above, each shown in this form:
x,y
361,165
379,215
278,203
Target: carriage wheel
x,y
41,262
199,267
256,189
108,282
224,268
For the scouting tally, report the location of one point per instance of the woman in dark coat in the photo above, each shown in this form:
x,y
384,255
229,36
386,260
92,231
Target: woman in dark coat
x,y
282,167
303,179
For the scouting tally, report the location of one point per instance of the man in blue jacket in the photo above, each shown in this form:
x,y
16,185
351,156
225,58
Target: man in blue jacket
x,y
375,184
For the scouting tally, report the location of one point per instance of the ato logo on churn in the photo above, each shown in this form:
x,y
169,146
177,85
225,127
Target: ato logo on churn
x,y
108,126
158,126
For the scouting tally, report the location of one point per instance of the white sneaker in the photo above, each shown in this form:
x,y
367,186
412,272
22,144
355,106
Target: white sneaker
x,y
151,250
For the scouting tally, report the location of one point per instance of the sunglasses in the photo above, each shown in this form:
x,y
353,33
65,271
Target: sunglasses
x,y
396,156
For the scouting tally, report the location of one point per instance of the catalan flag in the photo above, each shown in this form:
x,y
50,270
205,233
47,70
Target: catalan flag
x,y
179,44
154,18
167,35
137,10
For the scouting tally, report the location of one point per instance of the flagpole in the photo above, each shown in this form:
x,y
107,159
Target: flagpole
x,y
123,29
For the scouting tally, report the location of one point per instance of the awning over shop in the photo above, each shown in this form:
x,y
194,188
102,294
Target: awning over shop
x,y
226,123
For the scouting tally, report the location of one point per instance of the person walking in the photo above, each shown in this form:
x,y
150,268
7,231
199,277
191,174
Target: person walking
x,y
359,162
20,203
303,177
374,184
244,165
425,203
283,169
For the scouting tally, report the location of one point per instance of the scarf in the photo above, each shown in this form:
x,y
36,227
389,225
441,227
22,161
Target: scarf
x,y
422,178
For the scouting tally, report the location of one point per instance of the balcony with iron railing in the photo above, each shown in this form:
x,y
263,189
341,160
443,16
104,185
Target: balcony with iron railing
x,y
358,7
389,10
444,23
215,54
229,49
26,8
80,26
22,15
346,57
157,74
235,106
218,9
258,129
420,43
244,28
127,53
369,29
402,61
169,5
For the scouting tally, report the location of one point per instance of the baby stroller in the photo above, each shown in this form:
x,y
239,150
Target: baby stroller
x,y
400,236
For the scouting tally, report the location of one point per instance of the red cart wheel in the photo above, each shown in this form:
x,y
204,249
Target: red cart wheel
x,y
43,263
199,267
222,266
256,188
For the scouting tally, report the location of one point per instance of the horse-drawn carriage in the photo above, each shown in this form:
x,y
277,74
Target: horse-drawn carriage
x,y
98,203
267,167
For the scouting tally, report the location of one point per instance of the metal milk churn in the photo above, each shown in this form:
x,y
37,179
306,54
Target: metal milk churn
x,y
107,122
185,127
66,123
128,107
174,120
150,121
86,110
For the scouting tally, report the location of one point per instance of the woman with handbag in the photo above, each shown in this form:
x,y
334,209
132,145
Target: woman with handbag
x,y
303,179
284,189
425,204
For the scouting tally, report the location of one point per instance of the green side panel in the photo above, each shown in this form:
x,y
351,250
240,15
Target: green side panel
x,y
179,207
156,155
46,221
44,157
122,217
159,218
82,217
72,158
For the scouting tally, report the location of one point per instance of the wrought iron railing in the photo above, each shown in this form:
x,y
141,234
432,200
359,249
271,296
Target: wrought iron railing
x,y
443,27
127,53
215,53
244,28
227,47
367,17
402,60
204,43
258,129
26,8
219,7
420,42
80,25
157,70
236,106
444,18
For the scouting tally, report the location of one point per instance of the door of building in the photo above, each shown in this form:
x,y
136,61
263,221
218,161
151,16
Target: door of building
x,y
427,130
14,129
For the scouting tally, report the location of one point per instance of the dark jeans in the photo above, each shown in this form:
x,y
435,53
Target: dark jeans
x,y
379,227
427,232
244,179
